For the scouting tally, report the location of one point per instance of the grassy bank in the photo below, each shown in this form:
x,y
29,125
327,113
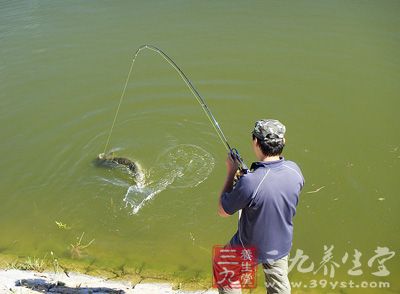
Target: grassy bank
x,y
135,274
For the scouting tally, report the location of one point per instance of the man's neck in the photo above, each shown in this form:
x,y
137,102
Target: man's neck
x,y
271,158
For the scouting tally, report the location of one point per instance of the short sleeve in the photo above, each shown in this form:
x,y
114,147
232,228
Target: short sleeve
x,y
239,197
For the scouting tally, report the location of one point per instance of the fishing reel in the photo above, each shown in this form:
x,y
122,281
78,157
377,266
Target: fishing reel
x,y
236,156
234,153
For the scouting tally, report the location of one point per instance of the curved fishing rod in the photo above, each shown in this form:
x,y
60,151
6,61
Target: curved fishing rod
x,y
233,151
192,89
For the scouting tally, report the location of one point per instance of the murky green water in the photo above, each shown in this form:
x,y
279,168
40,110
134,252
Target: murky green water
x,y
330,70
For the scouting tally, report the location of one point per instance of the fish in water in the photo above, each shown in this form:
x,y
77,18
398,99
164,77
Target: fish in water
x,y
110,158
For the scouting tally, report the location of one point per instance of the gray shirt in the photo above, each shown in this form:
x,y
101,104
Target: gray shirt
x,y
268,196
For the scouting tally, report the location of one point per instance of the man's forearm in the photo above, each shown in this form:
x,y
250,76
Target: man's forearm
x,y
228,186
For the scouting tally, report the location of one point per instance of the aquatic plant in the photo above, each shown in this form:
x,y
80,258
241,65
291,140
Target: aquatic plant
x,y
77,249
60,225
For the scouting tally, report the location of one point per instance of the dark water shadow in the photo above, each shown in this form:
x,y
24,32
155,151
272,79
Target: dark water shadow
x,y
43,286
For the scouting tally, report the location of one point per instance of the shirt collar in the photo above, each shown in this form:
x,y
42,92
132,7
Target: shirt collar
x,y
268,164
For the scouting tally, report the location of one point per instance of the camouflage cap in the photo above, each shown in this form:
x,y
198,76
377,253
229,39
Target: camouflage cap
x,y
270,130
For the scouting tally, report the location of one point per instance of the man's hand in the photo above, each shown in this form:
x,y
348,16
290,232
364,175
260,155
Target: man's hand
x,y
232,164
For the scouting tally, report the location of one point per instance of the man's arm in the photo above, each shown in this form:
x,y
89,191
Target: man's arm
x,y
231,168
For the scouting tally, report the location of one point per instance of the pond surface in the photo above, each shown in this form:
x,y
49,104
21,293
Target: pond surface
x,y
329,70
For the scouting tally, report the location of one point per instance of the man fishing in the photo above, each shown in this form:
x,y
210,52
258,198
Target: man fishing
x,y
267,196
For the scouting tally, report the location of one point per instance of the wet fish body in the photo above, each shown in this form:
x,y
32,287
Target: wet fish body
x,y
109,159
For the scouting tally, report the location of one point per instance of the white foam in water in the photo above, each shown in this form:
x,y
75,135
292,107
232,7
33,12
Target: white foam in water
x,y
182,166
136,196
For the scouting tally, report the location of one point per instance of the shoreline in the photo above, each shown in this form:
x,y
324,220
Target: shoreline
x,y
30,282
24,274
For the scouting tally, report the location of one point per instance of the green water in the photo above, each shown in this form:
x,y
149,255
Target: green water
x,y
329,70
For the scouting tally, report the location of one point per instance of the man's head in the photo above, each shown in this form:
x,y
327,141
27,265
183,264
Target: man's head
x,y
269,136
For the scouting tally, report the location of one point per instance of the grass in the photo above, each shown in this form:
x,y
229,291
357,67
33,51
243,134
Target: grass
x,y
30,264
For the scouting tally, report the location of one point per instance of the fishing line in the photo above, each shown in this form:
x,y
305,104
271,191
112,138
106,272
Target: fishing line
x,y
119,105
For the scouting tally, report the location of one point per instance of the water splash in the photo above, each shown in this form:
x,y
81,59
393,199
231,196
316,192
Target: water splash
x,y
181,166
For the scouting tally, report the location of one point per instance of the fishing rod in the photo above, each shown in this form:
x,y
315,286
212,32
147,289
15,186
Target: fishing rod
x,y
233,151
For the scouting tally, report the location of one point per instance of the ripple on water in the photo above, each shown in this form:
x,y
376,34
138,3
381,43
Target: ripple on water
x,y
181,166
